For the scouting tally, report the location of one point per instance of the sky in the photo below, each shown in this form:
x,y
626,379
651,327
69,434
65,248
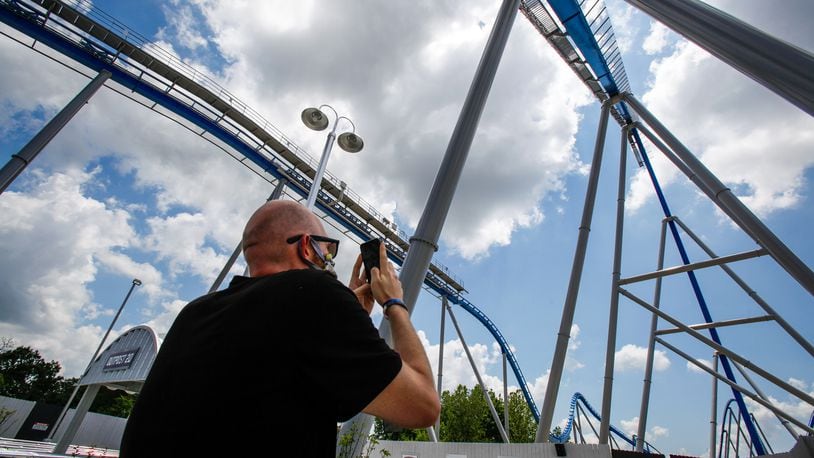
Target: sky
x,y
124,192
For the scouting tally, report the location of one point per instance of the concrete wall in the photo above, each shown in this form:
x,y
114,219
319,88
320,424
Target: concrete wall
x,y
97,430
469,450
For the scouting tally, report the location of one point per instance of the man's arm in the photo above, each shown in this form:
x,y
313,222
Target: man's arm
x,y
410,400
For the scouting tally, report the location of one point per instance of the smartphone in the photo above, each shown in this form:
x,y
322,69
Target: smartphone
x,y
370,255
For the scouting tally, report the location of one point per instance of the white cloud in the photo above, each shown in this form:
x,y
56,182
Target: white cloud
x,y
633,357
656,39
693,368
797,383
538,388
55,241
753,141
457,369
407,122
631,427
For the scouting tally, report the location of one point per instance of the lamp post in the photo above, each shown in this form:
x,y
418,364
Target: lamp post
x,y
316,119
136,282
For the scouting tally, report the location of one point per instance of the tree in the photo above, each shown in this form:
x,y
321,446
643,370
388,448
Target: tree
x,y
522,426
465,417
26,375
118,403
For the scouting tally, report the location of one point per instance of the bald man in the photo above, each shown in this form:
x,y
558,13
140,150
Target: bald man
x,y
273,362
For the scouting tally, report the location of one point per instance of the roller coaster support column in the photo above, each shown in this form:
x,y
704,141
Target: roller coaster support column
x,y
278,190
441,358
728,202
505,397
425,241
613,315
713,418
775,64
651,346
489,402
20,161
564,334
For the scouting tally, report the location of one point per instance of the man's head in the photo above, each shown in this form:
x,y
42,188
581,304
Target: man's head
x,y
279,237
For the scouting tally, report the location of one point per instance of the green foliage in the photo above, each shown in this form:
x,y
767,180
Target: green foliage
x,y
522,426
113,402
4,414
346,445
26,375
465,417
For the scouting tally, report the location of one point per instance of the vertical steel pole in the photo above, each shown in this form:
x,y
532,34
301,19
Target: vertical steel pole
x,y
441,358
136,282
323,164
425,240
505,398
20,161
613,315
651,346
713,426
782,68
278,190
489,402
729,203
79,414
564,334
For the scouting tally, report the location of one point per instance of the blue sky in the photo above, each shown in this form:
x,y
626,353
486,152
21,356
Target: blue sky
x,y
123,192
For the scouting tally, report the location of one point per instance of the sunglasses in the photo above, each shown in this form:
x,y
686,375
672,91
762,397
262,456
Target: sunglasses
x,y
333,244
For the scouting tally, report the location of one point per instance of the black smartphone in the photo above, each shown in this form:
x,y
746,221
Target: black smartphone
x,y
370,255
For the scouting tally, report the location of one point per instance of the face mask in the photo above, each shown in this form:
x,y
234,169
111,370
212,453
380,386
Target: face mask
x,y
327,259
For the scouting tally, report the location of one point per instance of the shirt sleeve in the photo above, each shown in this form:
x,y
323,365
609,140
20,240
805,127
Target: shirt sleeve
x,y
351,363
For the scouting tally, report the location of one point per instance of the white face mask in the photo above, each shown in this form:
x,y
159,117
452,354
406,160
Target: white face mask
x,y
327,260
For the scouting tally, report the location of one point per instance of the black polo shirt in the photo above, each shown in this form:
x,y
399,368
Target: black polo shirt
x,y
268,365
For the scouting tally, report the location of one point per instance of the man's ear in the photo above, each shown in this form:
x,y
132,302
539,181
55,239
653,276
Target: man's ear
x,y
306,250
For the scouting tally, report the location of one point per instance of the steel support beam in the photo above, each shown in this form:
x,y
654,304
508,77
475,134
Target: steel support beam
x,y
489,402
721,349
763,396
694,266
779,412
717,324
651,346
728,202
444,305
564,334
425,240
752,293
20,161
713,416
781,67
613,314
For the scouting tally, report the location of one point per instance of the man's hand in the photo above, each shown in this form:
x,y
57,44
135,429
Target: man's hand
x,y
384,282
358,283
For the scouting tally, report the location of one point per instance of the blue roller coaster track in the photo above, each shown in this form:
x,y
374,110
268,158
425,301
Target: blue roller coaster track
x,y
578,399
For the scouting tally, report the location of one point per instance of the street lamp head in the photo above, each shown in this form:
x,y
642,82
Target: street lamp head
x,y
314,119
137,282
350,142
